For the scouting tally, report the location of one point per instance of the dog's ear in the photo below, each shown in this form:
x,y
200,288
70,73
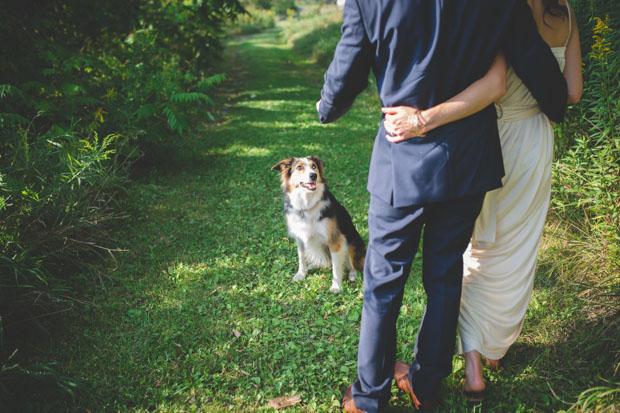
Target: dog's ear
x,y
318,161
283,165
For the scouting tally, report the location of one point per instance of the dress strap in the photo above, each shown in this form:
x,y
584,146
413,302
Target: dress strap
x,y
570,24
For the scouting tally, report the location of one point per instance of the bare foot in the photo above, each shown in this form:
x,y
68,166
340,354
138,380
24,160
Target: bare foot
x,y
492,364
474,382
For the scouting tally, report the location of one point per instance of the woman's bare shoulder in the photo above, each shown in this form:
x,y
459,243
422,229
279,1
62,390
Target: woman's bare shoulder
x,y
554,28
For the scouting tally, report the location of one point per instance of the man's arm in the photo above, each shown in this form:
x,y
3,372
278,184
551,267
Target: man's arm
x,y
347,74
534,62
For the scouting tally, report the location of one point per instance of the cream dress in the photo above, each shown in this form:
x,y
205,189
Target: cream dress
x,y
500,261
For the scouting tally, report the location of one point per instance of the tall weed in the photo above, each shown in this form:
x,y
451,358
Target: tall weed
x,y
587,170
586,186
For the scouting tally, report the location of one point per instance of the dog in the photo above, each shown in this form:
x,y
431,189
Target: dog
x,y
322,228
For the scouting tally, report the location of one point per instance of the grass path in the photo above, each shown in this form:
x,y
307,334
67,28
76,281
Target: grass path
x,y
202,314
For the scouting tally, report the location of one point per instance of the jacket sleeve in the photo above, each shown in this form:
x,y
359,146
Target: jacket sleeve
x,y
534,62
347,74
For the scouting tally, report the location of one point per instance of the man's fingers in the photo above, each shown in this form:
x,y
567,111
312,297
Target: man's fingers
x,y
391,119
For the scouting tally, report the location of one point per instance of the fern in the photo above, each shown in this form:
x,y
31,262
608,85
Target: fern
x,y
72,89
9,90
190,97
83,101
173,121
34,86
207,83
12,120
147,110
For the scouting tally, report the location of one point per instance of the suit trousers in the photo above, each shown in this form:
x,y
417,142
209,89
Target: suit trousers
x,y
394,238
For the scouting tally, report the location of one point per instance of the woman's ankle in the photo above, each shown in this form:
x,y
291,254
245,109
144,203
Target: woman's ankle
x,y
473,372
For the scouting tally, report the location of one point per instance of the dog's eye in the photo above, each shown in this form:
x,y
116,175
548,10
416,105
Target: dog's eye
x,y
313,166
299,168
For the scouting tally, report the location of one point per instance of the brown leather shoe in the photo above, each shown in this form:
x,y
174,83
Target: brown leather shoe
x,y
348,403
401,375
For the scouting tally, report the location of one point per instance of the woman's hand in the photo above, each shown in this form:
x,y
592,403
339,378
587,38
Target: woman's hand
x,y
402,123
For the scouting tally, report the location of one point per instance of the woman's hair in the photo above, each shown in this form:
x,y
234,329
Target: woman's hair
x,y
554,8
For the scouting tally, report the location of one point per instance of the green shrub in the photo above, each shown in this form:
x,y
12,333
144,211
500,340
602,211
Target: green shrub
x,y
89,88
316,34
260,4
256,20
152,97
284,7
57,191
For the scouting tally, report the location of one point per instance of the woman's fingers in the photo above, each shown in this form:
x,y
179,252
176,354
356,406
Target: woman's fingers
x,y
395,138
397,124
391,109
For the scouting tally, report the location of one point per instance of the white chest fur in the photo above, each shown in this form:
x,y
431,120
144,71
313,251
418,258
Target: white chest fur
x,y
309,230
306,226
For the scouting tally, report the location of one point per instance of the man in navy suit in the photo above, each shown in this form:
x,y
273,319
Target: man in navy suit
x,y
423,52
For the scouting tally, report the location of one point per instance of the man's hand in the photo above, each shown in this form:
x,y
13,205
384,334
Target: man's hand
x,y
402,123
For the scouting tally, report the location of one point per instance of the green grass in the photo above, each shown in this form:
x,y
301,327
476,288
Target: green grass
x,y
200,313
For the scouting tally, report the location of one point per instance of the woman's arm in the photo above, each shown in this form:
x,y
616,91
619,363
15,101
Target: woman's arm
x,y
400,121
572,68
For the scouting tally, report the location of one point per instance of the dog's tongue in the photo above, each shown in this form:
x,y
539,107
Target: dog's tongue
x,y
312,185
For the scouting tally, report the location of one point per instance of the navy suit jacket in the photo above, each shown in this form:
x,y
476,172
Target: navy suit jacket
x,y
422,53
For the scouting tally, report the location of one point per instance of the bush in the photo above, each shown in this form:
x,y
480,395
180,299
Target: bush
x,y
259,4
89,88
254,21
316,34
284,7
280,7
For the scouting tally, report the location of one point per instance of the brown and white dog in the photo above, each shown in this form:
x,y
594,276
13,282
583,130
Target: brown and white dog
x,y
322,228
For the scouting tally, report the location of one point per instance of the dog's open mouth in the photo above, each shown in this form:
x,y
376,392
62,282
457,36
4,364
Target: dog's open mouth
x,y
310,186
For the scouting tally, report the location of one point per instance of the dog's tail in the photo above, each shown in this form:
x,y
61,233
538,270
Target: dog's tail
x,y
357,252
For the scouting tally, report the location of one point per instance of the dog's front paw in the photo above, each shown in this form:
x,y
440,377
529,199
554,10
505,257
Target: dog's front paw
x,y
335,288
353,276
299,276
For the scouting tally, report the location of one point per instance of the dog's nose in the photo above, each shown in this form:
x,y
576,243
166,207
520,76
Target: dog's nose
x,y
313,176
